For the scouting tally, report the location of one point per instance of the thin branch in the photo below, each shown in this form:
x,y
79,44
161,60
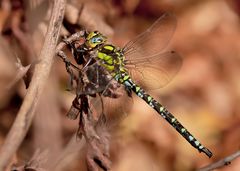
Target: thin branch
x,y
75,37
226,161
36,163
26,113
21,74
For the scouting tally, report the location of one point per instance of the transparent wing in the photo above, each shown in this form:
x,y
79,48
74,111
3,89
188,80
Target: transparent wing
x,y
156,71
153,40
108,97
112,104
96,79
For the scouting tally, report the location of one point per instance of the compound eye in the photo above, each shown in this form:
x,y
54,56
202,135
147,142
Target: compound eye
x,y
96,40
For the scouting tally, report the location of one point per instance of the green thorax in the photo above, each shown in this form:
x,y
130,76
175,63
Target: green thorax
x,y
112,58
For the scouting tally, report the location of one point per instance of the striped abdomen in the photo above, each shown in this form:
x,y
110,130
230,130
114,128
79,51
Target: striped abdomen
x,y
167,116
111,58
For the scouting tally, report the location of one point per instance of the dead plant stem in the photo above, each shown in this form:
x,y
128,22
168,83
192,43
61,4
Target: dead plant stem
x,y
26,113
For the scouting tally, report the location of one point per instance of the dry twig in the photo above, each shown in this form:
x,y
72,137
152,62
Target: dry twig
x,y
221,163
40,75
98,155
21,74
35,163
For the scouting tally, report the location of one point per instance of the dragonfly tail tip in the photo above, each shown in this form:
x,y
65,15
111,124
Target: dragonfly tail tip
x,y
207,152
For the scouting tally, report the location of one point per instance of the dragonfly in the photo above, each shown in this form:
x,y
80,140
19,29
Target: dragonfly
x,y
142,59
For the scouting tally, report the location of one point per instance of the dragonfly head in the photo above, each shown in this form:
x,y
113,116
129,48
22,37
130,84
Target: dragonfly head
x,y
95,39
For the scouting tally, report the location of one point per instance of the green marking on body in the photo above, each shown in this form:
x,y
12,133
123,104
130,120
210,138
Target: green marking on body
x,y
197,143
161,109
183,130
107,47
101,55
126,77
137,89
122,69
118,54
149,98
109,67
173,120
190,138
107,57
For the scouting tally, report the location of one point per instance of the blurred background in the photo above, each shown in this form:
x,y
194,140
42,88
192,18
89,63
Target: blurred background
x,y
204,95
